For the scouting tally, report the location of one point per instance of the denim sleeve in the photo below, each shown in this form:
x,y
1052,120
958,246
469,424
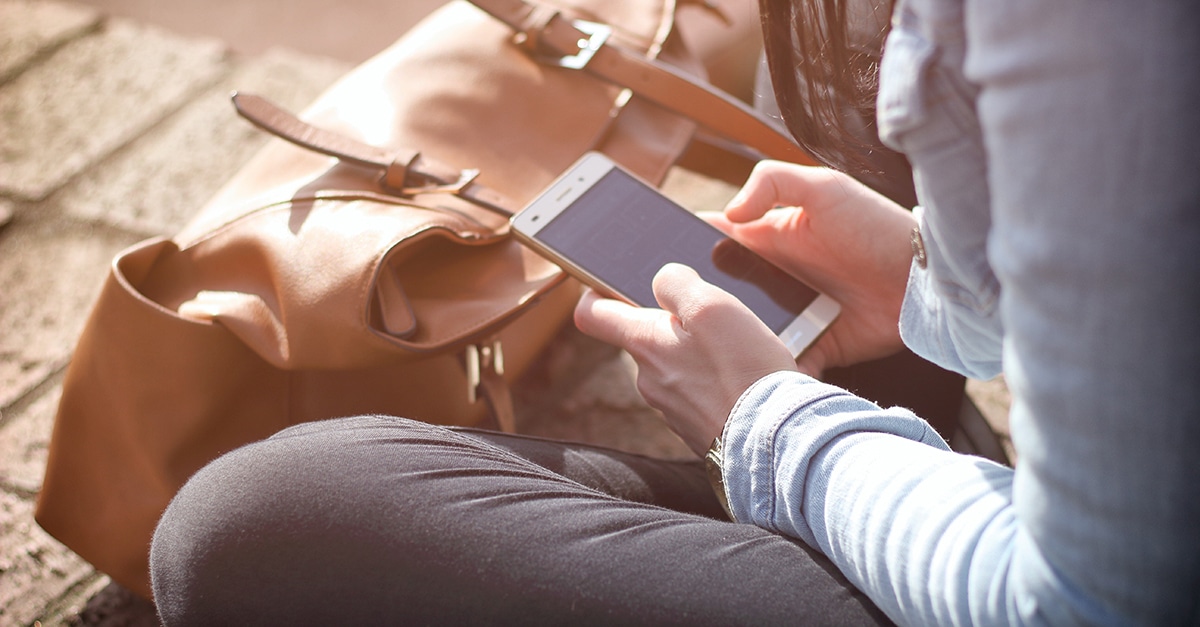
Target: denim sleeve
x,y
1088,117
948,331
877,490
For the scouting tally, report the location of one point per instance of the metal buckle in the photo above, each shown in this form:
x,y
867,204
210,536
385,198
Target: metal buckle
x,y
465,178
597,35
479,357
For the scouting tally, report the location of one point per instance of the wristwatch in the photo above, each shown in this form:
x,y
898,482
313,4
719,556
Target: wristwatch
x,y
713,464
918,247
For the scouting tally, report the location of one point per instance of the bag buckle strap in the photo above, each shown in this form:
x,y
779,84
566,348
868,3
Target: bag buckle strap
x,y
597,34
465,178
547,31
590,37
404,172
480,357
485,378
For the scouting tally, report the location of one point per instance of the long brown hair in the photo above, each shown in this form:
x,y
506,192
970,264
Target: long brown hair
x,y
825,86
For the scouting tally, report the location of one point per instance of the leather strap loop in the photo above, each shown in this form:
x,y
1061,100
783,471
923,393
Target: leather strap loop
x,y
396,173
534,24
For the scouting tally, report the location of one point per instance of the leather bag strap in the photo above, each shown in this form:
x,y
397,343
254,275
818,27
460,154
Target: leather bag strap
x,y
484,367
498,395
405,172
582,45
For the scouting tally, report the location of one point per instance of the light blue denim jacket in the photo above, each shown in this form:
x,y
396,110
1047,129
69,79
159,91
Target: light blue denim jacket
x,y
1056,149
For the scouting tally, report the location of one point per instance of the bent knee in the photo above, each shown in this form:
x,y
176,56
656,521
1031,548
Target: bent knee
x,y
247,510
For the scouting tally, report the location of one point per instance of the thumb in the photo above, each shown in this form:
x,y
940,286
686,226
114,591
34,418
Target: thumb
x,y
698,306
680,291
615,322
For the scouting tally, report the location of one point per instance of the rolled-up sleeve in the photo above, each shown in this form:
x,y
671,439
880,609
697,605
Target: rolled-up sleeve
x,y
877,490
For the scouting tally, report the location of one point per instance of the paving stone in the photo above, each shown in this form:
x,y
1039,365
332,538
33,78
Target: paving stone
x,y
28,29
19,375
92,96
35,569
72,609
157,183
49,276
24,441
107,604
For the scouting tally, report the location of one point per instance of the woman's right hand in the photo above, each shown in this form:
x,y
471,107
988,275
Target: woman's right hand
x,y
837,235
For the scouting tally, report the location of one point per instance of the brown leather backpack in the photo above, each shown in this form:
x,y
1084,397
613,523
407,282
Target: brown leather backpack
x,y
370,269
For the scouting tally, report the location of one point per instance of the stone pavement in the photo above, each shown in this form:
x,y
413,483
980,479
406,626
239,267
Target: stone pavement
x,y
111,132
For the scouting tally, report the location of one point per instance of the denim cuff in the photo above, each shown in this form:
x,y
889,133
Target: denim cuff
x,y
774,436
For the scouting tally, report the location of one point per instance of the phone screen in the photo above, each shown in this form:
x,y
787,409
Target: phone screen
x,y
623,232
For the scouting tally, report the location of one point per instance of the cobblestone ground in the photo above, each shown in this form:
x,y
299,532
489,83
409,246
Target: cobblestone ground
x,y
111,132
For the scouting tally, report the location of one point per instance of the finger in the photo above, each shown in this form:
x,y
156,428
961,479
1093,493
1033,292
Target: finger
x,y
718,220
613,321
758,235
773,236
761,192
772,184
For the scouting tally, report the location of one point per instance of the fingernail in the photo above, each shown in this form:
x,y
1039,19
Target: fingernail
x,y
738,198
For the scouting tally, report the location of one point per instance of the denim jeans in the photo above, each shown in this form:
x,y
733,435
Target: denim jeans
x,y
376,520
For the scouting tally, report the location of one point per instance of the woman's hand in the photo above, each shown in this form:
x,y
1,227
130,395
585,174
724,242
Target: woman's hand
x,y
837,235
703,348
695,356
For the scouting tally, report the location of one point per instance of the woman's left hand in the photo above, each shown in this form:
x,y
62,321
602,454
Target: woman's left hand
x,y
695,356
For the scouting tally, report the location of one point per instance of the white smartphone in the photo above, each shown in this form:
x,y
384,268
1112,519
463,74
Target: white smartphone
x,y
615,232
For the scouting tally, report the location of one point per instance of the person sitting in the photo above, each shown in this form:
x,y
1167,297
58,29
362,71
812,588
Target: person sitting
x,y
1058,221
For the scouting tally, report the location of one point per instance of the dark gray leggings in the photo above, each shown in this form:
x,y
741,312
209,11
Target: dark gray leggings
x,y
379,521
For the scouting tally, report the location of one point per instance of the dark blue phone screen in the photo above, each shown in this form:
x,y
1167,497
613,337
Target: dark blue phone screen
x,y
623,232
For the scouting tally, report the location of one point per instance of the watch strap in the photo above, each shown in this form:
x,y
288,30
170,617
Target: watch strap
x,y
714,465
